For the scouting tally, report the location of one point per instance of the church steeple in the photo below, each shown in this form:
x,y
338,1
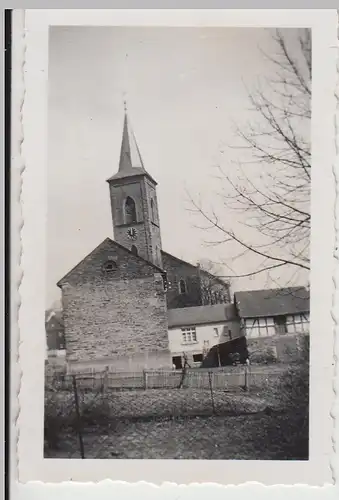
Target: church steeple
x,y
130,162
134,201
130,156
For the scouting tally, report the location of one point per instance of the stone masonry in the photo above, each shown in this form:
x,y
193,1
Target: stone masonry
x,y
114,304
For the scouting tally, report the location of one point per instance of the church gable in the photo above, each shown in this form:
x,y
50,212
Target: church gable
x,y
109,261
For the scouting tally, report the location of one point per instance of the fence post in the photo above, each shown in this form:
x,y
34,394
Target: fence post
x,y
76,400
247,379
211,390
145,374
218,352
104,381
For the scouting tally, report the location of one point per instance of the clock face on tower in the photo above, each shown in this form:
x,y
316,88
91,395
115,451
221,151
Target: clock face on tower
x,y
132,233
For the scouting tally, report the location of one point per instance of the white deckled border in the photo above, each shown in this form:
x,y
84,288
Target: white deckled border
x,y
17,220
335,311
322,468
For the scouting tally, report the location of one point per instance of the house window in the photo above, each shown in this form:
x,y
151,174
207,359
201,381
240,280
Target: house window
x,y
230,334
182,286
197,358
216,332
130,211
280,324
189,335
134,250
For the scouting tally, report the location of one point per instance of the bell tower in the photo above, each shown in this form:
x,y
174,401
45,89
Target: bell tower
x,y
134,203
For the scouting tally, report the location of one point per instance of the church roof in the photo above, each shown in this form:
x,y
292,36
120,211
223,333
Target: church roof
x,y
111,243
130,163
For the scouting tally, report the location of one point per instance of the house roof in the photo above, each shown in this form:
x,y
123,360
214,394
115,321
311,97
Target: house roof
x,y
130,163
273,302
201,315
113,243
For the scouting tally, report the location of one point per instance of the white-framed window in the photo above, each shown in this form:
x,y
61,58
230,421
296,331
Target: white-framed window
x,y
216,332
189,335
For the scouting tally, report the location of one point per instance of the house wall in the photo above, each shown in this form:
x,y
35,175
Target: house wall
x,y
206,337
109,315
265,327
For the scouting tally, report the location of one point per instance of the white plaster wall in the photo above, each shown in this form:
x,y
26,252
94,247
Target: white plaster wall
x,y
207,337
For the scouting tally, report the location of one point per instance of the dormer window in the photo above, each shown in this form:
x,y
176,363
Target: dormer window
x,y
182,287
130,211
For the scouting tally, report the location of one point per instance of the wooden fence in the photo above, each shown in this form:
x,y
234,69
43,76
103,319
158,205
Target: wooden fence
x,y
244,377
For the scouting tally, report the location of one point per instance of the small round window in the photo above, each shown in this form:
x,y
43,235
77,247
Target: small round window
x,y
109,267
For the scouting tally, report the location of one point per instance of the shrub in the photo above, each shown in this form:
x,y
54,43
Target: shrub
x,y
266,355
289,431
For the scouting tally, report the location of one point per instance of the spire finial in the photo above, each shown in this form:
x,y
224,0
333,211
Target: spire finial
x,y
125,106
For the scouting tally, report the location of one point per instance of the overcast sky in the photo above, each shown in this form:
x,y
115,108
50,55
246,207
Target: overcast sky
x,y
184,89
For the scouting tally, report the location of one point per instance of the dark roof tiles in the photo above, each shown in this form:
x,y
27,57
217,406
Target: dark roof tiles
x,y
273,302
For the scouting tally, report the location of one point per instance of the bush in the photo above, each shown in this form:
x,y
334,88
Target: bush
x,y
264,356
289,431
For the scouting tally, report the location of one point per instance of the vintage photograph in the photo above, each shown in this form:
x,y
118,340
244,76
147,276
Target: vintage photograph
x,y
177,308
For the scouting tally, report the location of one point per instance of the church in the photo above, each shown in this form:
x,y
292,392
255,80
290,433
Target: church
x,y
116,301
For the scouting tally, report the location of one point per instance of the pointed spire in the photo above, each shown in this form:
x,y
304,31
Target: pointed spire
x,y
130,162
130,156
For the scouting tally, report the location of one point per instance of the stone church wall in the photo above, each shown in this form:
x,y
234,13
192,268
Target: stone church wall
x,y
176,270
107,316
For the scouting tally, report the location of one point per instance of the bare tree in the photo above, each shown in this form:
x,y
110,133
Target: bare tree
x,y
270,190
214,288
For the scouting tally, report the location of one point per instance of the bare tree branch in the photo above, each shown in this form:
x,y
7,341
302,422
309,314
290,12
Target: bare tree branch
x,y
274,205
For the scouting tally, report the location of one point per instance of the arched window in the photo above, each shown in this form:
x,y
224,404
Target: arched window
x,y
134,250
153,211
182,286
130,211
